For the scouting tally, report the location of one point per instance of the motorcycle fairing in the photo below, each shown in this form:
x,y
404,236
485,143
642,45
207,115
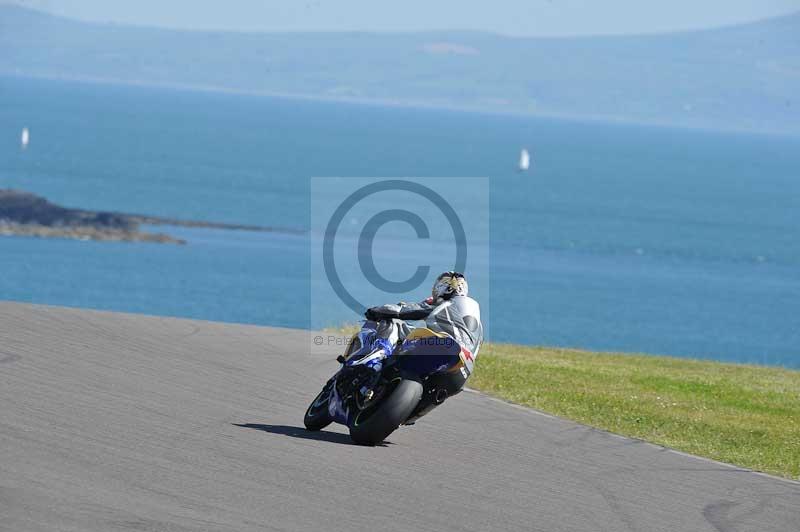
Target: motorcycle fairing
x,y
336,409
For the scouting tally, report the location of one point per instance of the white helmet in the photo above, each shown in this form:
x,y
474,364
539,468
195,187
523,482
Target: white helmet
x,y
450,284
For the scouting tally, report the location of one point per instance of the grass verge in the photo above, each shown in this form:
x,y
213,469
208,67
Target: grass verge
x,y
743,415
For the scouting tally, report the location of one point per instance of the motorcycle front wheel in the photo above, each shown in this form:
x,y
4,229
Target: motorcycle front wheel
x,y
317,415
372,425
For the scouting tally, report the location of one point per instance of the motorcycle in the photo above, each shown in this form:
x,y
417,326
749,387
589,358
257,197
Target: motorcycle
x,y
381,385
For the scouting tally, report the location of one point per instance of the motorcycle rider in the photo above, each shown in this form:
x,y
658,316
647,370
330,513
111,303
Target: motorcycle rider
x,y
449,313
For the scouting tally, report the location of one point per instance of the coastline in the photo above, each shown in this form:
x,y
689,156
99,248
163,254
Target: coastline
x,y
28,215
403,103
84,232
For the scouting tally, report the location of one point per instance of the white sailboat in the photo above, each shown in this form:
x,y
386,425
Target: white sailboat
x,y
25,138
524,160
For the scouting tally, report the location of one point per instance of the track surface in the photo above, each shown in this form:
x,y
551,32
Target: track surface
x,y
124,422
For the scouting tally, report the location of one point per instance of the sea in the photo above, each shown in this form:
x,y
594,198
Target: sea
x,y
619,238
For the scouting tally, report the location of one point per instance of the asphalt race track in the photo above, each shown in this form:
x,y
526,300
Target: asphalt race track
x,y
125,422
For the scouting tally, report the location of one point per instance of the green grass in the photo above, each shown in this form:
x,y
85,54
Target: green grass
x,y
743,415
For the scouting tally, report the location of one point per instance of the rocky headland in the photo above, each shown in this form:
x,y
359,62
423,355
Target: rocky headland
x,y
26,214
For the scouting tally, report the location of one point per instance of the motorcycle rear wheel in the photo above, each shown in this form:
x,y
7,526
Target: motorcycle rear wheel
x,y
372,426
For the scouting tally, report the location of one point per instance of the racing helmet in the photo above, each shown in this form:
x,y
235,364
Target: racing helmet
x,y
449,284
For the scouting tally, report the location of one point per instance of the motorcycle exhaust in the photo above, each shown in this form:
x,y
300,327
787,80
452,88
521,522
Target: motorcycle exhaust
x,y
440,396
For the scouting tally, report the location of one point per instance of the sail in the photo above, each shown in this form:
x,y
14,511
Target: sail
x,y
524,160
25,138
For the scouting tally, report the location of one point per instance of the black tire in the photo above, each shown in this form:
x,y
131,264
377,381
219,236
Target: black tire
x,y
388,415
317,416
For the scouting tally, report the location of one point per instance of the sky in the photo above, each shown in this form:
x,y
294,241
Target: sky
x,y
510,17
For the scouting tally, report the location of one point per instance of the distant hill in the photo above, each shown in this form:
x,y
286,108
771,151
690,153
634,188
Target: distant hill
x,y
745,77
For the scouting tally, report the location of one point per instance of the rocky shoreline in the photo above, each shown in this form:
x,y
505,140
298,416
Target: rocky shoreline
x,y
84,232
26,214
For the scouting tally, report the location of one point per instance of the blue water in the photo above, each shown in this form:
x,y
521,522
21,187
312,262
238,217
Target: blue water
x,y
623,238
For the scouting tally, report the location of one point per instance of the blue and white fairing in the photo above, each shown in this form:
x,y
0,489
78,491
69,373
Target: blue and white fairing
x,y
336,408
370,351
